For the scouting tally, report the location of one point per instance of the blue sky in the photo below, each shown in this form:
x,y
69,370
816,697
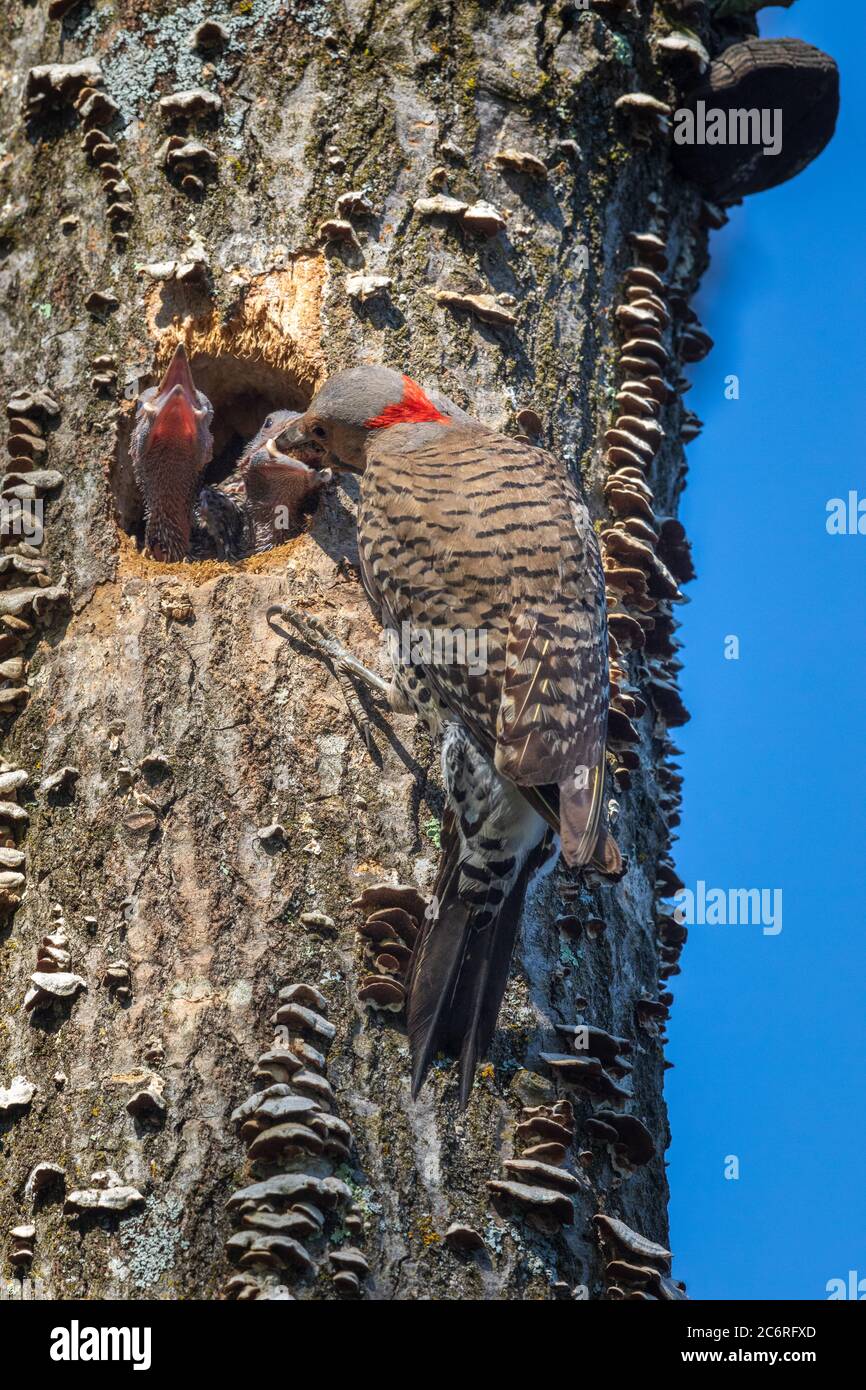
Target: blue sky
x,y
768,1033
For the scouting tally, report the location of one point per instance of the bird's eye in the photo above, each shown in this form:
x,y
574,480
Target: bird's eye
x,y
318,432
268,423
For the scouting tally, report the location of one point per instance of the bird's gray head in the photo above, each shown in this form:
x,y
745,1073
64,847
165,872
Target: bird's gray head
x,y
171,444
353,405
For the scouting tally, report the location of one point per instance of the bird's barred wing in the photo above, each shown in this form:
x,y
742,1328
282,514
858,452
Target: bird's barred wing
x,y
484,535
553,711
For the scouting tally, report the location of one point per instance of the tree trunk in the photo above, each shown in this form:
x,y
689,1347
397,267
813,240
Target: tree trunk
x,y
223,812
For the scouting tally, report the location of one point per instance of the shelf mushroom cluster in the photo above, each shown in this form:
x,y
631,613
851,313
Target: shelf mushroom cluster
x,y
16,1098
45,1183
782,75
52,87
646,557
97,110
652,1015
536,1186
53,979
26,590
637,1269
27,597
297,1209
671,936
108,1194
393,917
650,118
81,86
183,157
596,1065
21,1255
13,827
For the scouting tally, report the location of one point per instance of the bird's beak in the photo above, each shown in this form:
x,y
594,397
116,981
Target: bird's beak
x,y
175,407
296,440
276,456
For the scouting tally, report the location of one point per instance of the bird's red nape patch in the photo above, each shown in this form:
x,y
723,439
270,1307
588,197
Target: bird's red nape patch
x,y
414,409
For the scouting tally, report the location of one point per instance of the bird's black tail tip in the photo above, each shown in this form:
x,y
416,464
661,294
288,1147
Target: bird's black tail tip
x,y
458,977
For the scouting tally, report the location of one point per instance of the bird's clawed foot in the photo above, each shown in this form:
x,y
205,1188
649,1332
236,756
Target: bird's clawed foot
x,y
343,663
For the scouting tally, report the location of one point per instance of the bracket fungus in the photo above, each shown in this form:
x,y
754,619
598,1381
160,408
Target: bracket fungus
x,y
611,1051
651,1015
536,1183
109,1194
338,229
587,1075
644,1281
95,107
55,85
48,986
118,979
775,75
485,307
630,1141
209,36
21,1255
53,979
683,53
544,1208
649,115
16,1096
197,101
38,404
637,1267
288,1218
148,1104
463,1239
547,1175
353,203
440,206
191,162
617,1234
364,287
521,162
289,1189
674,549
387,936
45,1179
652,249
305,1021
101,302
484,219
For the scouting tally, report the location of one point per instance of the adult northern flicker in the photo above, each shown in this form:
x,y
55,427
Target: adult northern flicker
x,y
463,530
171,445
259,505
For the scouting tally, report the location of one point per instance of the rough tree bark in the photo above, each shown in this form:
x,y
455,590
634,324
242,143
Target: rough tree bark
x,y
191,725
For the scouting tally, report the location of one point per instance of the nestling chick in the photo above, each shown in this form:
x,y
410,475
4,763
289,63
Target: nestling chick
x,y
259,505
171,446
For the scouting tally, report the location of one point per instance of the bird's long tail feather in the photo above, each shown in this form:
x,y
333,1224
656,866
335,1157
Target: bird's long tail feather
x,y
459,972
